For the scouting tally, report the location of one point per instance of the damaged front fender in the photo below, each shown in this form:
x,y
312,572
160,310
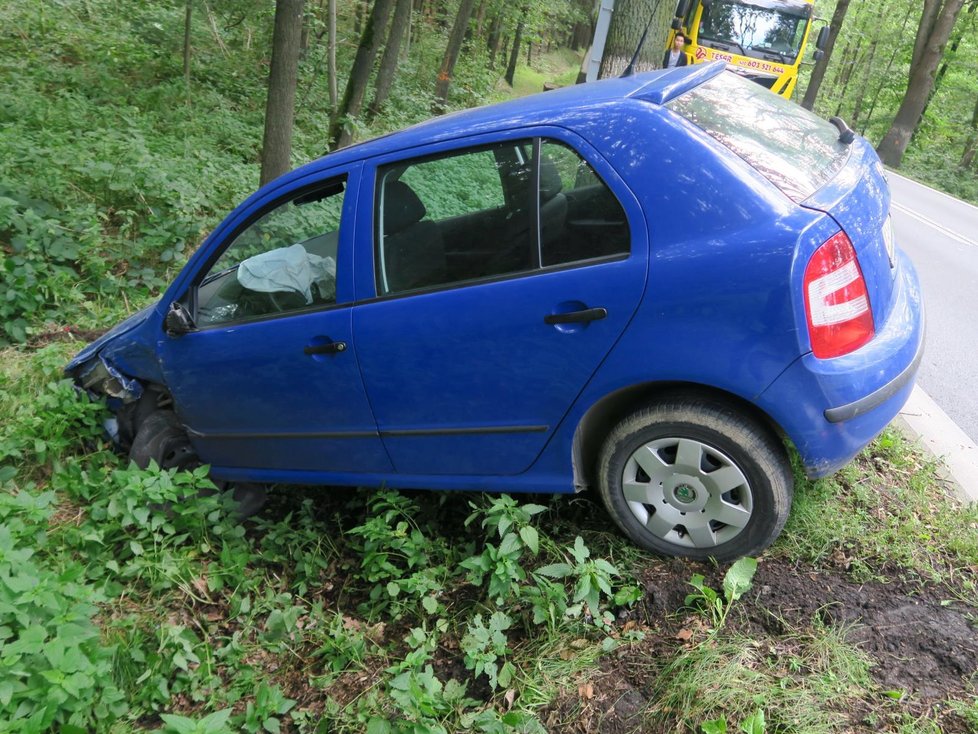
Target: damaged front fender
x,y
123,361
100,377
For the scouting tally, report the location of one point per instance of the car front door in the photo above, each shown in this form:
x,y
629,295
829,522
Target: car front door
x,y
503,274
267,380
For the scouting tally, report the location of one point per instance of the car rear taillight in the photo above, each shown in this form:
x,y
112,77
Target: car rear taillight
x,y
840,319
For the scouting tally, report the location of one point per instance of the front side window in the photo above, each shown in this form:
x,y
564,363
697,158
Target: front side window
x,y
282,262
507,209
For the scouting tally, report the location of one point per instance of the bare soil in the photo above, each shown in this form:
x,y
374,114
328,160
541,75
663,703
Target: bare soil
x,y
921,643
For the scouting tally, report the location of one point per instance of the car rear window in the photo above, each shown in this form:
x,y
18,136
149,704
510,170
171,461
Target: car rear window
x,y
795,149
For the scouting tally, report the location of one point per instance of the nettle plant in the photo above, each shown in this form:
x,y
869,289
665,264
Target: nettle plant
x,y
55,671
397,559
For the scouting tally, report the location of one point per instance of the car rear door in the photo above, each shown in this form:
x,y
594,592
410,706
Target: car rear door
x,y
472,367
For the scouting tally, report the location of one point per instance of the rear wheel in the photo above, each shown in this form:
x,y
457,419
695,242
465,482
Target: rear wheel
x,y
692,477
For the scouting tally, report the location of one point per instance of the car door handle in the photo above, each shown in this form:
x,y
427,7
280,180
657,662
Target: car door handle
x,y
330,348
576,317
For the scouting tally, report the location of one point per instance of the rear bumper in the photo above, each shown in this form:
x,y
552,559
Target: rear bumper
x,y
832,408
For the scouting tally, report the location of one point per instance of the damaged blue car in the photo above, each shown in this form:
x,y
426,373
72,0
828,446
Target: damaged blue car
x,y
649,287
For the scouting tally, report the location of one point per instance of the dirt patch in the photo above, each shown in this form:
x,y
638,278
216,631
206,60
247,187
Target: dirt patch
x,y
921,644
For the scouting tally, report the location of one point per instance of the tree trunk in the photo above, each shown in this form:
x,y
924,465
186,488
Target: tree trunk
x,y
968,156
946,61
867,66
480,18
444,80
885,76
356,86
186,44
495,36
847,73
818,73
276,152
331,56
628,23
388,62
515,53
894,143
927,19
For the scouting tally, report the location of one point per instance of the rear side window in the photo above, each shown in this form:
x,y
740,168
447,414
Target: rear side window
x,y
493,211
795,149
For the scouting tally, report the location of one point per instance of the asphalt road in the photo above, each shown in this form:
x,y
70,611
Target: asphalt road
x,y
940,233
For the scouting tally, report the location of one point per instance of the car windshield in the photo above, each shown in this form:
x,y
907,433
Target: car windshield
x,y
793,148
761,28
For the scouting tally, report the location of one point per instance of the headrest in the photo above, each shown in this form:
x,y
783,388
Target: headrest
x,y
402,207
550,183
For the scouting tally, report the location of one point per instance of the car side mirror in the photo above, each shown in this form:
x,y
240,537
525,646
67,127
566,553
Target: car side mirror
x,y
178,320
682,8
677,24
819,53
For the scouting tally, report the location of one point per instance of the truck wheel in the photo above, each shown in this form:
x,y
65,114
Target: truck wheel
x,y
692,477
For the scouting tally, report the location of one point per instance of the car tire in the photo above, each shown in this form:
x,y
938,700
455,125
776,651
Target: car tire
x,y
162,439
693,477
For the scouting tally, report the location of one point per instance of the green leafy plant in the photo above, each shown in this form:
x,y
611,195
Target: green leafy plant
x,y
736,582
214,723
593,577
484,645
753,724
502,565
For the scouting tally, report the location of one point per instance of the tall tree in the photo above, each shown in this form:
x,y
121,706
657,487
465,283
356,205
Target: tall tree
x,y
971,146
331,55
514,54
628,23
188,15
276,150
400,26
927,55
444,80
884,78
339,135
948,58
818,73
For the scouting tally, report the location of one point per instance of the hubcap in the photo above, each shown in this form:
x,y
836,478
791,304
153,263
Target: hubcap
x,y
687,493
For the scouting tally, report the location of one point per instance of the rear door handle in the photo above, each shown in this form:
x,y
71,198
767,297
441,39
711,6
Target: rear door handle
x,y
576,317
330,348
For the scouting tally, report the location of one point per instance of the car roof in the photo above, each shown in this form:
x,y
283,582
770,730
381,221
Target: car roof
x,y
655,87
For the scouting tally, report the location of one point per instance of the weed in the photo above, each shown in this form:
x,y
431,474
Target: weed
x,y
736,581
593,578
485,645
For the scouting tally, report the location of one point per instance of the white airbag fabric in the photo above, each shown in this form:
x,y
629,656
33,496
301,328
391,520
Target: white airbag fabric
x,y
289,269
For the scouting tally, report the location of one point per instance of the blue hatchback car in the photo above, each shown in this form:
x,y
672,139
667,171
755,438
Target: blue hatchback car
x,y
645,286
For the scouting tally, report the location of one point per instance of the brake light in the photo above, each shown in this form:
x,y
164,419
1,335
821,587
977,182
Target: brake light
x,y
840,319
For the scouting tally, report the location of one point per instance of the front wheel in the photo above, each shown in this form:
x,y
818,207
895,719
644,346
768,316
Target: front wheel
x,y
162,439
692,477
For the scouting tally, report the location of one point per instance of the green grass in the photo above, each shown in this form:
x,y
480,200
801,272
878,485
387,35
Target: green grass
x,y
887,512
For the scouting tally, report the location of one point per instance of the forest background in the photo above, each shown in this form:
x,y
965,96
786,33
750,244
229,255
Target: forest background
x,y
127,130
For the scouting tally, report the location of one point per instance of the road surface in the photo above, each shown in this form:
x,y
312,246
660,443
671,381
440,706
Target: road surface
x,y
940,233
